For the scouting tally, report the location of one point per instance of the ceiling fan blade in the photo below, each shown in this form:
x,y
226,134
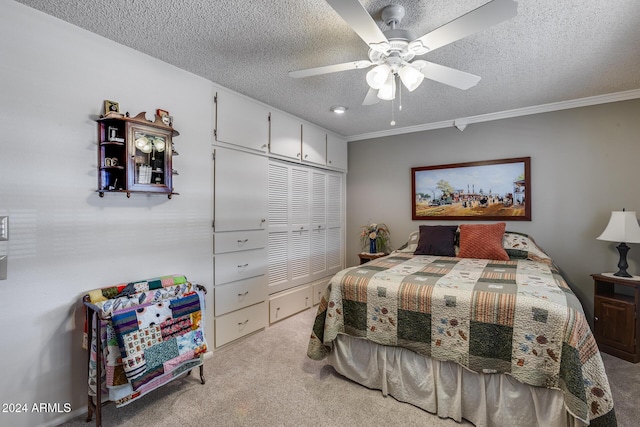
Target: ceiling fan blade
x,y
326,69
449,76
485,16
359,19
371,98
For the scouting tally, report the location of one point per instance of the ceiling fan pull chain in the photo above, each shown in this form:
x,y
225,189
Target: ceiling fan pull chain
x,y
400,94
393,113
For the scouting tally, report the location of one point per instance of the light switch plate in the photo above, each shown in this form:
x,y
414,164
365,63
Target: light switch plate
x,y
4,228
3,267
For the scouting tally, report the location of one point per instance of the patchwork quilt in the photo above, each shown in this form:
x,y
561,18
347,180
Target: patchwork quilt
x,y
152,331
516,317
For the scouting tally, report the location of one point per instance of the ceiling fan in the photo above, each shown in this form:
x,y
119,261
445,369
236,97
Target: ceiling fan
x,y
392,52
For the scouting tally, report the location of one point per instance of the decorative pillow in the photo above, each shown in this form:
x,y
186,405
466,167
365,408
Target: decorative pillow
x,y
522,246
437,240
482,241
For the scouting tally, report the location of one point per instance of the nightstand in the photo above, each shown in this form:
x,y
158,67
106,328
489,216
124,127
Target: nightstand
x,y
366,257
616,304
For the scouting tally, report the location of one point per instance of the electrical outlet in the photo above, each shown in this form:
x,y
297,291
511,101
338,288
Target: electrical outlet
x,y
4,228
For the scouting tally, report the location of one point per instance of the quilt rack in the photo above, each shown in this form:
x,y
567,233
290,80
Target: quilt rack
x,y
94,311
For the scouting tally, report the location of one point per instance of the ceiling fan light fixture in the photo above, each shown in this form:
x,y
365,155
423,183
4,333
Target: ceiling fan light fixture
x,y
388,91
411,78
378,76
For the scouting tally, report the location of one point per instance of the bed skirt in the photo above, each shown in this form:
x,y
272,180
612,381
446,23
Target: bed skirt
x,y
446,388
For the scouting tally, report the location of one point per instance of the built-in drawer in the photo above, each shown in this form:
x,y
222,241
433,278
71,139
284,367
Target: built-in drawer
x,y
234,266
233,241
240,323
318,291
290,302
243,293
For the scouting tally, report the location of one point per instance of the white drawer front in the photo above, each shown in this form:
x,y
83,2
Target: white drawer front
x,y
234,241
234,266
239,323
289,302
240,294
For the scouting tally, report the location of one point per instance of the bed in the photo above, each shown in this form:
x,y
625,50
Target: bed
x,y
467,322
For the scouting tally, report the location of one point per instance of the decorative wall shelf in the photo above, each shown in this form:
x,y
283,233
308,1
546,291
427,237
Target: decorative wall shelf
x,y
135,155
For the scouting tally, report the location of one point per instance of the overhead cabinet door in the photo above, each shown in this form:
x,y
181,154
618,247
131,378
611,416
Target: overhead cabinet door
x,y
286,136
242,122
314,145
336,152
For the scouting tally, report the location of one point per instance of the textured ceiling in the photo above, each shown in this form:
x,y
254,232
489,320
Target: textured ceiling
x,y
552,51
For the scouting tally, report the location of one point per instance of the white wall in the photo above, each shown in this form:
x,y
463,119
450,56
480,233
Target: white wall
x,y
64,239
584,164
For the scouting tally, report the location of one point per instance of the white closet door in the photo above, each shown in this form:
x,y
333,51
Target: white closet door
x,y
305,225
300,202
334,222
318,224
240,196
278,246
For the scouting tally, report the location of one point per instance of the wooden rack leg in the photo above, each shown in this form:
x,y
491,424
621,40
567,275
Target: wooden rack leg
x,y
202,379
98,371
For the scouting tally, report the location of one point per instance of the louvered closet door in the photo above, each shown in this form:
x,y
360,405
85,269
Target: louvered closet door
x,y
334,222
299,241
318,224
278,208
305,225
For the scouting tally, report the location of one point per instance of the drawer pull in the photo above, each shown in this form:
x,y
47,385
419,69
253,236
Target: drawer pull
x,y
243,323
243,241
243,265
243,295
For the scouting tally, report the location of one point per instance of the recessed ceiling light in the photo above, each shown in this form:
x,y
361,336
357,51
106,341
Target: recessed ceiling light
x,y
338,109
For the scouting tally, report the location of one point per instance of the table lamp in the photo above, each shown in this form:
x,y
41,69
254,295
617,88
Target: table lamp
x,y
623,227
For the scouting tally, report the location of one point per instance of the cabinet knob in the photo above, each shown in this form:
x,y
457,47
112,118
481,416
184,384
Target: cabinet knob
x,y
596,318
298,155
306,155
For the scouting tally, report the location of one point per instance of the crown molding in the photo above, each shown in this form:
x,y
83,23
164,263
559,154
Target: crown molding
x,y
526,111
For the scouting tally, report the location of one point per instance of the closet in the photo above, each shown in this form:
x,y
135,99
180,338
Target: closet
x,y
278,214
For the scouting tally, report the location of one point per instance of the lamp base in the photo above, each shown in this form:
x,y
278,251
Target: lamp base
x,y
622,264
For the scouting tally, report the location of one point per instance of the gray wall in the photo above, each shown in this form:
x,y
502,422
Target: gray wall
x,y
65,240
584,164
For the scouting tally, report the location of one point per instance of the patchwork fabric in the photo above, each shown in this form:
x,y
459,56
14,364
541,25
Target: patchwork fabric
x,y
153,332
517,317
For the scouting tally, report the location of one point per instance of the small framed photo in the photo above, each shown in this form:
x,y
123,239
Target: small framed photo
x,y
161,113
113,133
111,107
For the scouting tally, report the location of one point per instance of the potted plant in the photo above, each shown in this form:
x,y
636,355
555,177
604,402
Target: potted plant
x,y
376,236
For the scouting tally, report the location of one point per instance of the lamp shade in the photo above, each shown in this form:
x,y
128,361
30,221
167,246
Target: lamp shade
x,y
623,227
410,77
388,90
378,76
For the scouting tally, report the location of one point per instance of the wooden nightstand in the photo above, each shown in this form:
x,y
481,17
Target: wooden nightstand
x,y
616,322
366,257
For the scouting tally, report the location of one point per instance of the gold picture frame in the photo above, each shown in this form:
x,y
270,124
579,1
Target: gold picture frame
x,y
111,107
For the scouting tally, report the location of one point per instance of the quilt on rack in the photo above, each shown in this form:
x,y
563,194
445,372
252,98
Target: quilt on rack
x,y
152,332
517,317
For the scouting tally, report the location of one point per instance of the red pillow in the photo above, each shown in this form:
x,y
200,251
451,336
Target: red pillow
x,y
482,241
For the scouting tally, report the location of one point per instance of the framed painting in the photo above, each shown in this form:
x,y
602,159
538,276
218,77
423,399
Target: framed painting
x,y
487,190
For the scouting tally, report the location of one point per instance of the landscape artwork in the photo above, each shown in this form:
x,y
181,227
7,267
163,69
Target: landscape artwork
x,y
485,190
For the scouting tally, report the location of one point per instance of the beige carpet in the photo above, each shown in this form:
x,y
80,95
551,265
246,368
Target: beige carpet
x,y
267,380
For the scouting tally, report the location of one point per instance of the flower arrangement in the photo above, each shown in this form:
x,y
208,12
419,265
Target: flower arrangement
x,y
376,236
